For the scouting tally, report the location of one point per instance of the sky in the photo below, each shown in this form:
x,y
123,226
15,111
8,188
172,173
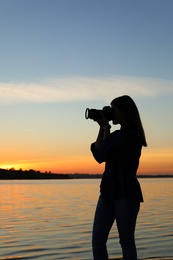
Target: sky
x,y
59,57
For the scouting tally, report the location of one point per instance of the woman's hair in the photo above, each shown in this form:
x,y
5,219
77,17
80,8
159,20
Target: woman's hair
x,y
128,106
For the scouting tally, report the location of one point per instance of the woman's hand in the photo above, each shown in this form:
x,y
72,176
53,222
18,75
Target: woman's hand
x,y
103,132
103,122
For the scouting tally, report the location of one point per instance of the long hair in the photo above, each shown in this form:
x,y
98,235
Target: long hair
x,y
128,106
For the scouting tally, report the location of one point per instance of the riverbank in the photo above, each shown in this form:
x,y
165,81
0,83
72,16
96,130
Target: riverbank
x,y
13,174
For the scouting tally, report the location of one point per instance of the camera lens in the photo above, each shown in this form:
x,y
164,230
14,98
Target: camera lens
x,y
87,113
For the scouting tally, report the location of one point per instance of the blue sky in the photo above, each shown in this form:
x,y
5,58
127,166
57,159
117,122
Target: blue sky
x,y
58,57
41,39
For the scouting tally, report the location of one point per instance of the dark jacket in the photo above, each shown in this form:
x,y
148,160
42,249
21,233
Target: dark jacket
x,y
121,152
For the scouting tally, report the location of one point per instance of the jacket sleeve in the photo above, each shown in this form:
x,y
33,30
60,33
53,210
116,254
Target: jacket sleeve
x,y
114,146
95,152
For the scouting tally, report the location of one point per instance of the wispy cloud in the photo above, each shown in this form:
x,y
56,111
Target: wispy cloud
x,y
81,88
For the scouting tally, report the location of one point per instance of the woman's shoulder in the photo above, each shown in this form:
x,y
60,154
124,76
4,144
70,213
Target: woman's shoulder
x,y
125,131
130,133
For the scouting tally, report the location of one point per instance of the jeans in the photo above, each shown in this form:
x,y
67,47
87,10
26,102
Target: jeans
x,y
125,213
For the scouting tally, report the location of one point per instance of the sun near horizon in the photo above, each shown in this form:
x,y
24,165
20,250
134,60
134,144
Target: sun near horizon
x,y
152,161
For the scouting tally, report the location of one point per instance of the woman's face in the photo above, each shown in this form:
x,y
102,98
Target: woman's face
x,y
118,115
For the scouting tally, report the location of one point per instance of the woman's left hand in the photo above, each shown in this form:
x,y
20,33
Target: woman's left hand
x,y
102,122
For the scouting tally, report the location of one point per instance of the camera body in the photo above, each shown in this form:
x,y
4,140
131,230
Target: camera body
x,y
96,114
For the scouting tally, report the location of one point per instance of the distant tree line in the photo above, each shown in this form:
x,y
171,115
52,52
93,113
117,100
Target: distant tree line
x,y
12,174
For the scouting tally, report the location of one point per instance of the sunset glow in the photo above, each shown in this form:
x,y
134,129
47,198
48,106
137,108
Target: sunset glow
x,y
157,161
152,161
77,58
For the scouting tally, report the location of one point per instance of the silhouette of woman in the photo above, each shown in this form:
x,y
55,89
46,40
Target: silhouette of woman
x,y
120,192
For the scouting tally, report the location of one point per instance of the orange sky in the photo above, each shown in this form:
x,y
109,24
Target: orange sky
x,y
83,58
153,161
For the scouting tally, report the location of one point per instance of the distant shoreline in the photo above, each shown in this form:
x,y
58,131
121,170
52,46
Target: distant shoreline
x,y
13,174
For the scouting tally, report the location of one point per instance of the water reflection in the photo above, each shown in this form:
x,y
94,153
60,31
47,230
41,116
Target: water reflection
x,y
52,219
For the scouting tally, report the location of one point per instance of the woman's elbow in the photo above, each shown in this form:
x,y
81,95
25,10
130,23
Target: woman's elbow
x,y
99,160
99,157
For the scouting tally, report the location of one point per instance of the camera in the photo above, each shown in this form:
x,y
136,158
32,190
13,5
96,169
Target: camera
x,y
96,114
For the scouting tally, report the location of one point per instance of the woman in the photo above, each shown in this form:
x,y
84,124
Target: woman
x,y
120,192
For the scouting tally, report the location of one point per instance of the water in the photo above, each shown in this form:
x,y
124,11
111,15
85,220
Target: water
x,y
52,219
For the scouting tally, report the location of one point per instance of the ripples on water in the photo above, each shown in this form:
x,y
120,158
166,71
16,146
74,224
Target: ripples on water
x,y
52,219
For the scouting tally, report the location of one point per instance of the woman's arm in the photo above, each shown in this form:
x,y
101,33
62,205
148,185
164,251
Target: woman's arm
x,y
104,132
117,145
99,139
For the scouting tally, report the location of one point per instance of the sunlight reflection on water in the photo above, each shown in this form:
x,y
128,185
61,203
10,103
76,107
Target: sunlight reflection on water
x,y
52,219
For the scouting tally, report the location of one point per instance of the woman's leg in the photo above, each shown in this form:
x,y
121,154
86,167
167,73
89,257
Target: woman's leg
x,y
126,214
104,218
